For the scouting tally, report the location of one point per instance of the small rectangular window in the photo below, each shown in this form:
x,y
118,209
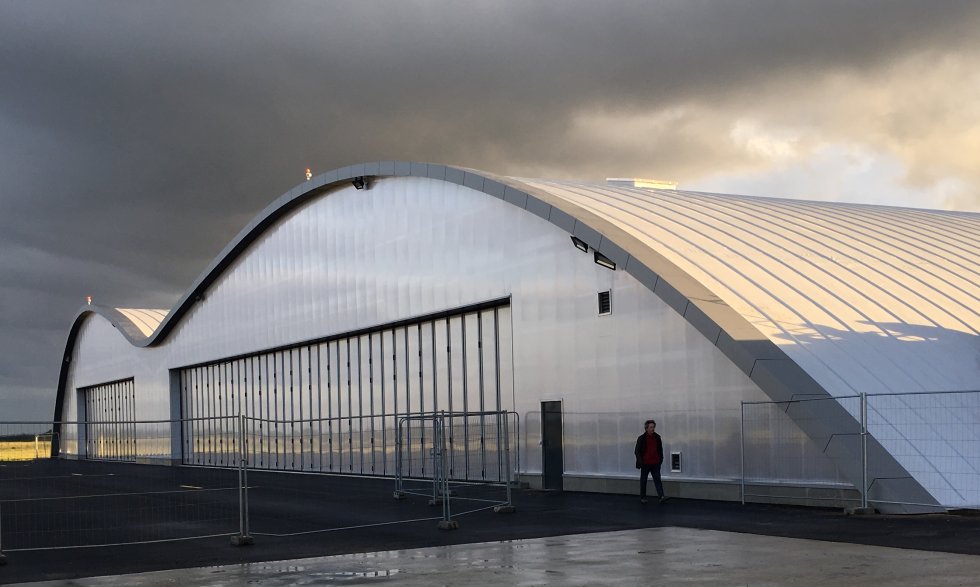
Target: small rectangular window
x,y
675,462
605,303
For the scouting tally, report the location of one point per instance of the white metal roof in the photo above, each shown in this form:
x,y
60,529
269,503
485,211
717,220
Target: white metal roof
x,y
146,320
865,298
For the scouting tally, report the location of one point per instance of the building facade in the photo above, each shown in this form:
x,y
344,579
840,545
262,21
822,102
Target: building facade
x,y
386,289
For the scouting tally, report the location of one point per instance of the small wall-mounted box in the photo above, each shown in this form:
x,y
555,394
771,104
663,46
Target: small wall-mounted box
x,y
675,461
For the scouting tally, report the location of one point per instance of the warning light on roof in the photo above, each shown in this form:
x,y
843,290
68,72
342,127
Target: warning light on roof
x,y
309,174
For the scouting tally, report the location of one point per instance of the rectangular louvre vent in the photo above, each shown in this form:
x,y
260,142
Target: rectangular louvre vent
x,y
605,305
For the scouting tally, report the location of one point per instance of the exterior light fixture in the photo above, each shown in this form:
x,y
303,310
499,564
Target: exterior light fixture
x,y
309,174
359,182
88,299
605,261
580,244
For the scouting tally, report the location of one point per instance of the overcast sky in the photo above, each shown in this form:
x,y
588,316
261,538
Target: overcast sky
x,y
137,138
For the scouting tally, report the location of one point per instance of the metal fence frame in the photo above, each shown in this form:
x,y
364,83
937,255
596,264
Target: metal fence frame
x,y
172,436
169,426
442,492
865,483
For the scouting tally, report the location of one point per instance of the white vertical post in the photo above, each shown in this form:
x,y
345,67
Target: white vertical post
x,y
741,442
506,416
243,538
399,487
241,493
244,454
864,450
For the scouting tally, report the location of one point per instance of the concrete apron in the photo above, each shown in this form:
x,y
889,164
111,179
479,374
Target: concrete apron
x,y
653,556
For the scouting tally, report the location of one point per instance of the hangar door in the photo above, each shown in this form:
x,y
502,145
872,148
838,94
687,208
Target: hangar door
x,y
334,405
108,420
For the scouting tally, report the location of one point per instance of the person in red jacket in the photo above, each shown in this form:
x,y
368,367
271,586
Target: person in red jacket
x,y
649,453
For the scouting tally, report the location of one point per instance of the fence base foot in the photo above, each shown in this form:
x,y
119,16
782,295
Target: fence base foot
x,y
398,495
504,509
868,511
239,540
437,501
3,559
448,525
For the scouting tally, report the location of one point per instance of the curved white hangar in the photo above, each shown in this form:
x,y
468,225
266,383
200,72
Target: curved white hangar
x,y
390,288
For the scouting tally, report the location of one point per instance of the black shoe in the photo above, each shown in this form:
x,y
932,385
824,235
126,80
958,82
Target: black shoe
x,y
663,498
643,500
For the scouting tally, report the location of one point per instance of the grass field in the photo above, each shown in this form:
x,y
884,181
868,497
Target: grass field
x,y
23,450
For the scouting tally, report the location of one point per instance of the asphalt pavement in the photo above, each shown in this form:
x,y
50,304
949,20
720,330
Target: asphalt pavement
x,y
308,515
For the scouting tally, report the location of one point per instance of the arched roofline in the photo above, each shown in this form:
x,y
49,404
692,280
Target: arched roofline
x,y
757,356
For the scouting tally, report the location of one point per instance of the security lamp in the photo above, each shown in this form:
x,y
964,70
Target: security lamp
x,y
605,261
359,182
580,244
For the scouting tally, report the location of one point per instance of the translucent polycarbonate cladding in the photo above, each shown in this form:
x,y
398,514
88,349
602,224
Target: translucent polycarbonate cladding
x,y
407,247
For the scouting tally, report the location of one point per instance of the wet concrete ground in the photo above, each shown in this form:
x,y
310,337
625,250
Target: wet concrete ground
x,y
653,556
343,514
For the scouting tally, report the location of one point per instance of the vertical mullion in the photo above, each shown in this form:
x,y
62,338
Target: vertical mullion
x,y
299,389
131,409
183,417
292,412
110,420
309,401
394,385
256,401
496,379
206,399
408,400
319,409
371,397
466,417
329,411
350,407
236,409
275,406
340,423
264,422
196,423
117,406
222,390
360,404
435,369
195,414
384,403
483,446
449,394
418,329
130,435
282,378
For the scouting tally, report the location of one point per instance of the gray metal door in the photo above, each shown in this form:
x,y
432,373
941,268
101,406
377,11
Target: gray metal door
x,y
551,445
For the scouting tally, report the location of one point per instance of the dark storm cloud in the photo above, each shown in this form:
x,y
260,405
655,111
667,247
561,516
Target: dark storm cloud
x,y
136,138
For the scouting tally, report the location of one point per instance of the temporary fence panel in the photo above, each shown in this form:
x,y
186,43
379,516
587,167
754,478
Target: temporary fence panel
x,y
917,449
936,438
777,455
50,503
457,458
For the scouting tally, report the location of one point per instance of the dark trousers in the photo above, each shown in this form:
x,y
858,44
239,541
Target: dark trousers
x,y
650,470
